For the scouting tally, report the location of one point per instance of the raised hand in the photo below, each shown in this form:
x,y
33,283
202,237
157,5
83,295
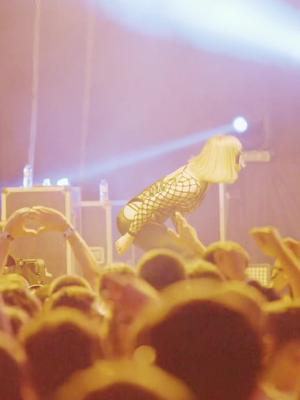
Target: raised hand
x,y
185,234
268,240
49,219
21,223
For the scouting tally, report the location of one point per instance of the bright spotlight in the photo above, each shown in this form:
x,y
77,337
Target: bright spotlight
x,y
240,124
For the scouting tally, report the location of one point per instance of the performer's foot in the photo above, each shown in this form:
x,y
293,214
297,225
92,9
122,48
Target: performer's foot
x,y
124,243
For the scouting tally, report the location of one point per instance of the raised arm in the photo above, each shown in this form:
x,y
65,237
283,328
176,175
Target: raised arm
x,y
12,228
53,220
186,235
4,249
271,243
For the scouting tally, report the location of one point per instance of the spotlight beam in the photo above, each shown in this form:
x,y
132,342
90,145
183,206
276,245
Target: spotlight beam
x,y
139,156
156,151
265,30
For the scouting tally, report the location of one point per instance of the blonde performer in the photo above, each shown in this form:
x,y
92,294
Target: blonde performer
x,y
142,219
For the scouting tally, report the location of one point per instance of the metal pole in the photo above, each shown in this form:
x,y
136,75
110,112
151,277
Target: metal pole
x,y
222,212
90,40
109,239
35,83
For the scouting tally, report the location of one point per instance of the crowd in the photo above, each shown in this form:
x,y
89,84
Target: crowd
x,y
173,327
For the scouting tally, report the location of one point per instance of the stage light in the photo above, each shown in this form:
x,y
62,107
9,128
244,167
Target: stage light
x,y
240,124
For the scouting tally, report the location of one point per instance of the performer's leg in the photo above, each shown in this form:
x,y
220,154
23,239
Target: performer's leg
x,y
152,236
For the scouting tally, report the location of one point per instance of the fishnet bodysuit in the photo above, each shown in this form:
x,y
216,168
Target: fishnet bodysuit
x,y
182,192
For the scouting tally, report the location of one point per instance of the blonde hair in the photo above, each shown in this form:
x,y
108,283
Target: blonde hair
x,y
217,161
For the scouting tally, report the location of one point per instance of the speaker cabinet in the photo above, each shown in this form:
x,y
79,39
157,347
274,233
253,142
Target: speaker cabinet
x,y
49,246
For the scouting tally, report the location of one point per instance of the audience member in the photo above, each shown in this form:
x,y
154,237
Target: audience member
x,y
211,346
12,370
123,380
161,267
64,281
230,258
57,344
177,327
78,298
281,376
201,269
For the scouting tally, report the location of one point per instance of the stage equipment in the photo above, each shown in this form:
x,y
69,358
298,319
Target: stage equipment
x,y
96,229
260,272
224,197
33,270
